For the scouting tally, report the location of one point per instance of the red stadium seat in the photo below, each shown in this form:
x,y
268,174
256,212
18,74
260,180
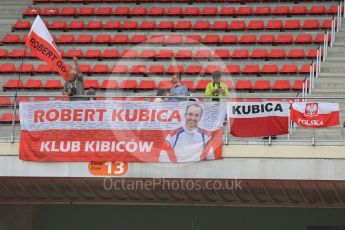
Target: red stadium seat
x,y
243,85
5,101
311,24
284,39
201,25
326,24
32,11
75,25
232,69
189,84
172,69
129,54
296,53
17,54
266,38
262,85
148,25
156,11
109,84
227,11
138,69
42,68
128,84
298,85
11,38
53,84
84,38
166,25
85,68
184,54
274,24
317,10
289,69
119,69
50,11
281,10
251,69
299,10
202,54
7,68
174,11
245,10
13,84
183,25
156,69
209,69
194,69
201,84
112,25
147,85
86,11
165,54
100,68
148,54
332,9
305,69
104,11
174,39
259,53
237,25
92,54
212,11
194,11
130,25
304,38
3,53
193,39
22,25
7,118
165,85
58,25
269,69
94,25
102,38
157,39
138,11
277,53
74,53
263,10
120,38
138,38
247,39
219,25
91,84
256,25
33,84
223,54
211,39
121,11
319,38
242,53
113,53
41,99
26,68
312,53
68,11
281,85
292,24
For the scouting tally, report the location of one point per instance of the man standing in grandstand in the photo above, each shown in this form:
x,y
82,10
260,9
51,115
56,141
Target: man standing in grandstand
x,y
216,88
189,142
74,86
178,89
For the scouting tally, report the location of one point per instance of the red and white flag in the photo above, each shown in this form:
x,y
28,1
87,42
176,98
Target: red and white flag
x,y
315,114
42,46
256,119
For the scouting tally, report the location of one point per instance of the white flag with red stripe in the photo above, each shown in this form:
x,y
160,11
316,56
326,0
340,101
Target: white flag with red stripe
x,y
255,119
315,114
42,45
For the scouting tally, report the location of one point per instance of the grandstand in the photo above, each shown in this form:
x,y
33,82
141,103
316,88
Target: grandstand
x,y
127,49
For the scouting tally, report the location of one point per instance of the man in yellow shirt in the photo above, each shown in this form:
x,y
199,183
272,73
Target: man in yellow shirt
x,y
216,88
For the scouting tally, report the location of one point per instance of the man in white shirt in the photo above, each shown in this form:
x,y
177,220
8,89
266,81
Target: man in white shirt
x,y
189,142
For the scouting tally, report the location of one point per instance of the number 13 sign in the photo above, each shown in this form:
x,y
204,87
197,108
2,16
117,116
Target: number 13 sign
x,y
108,168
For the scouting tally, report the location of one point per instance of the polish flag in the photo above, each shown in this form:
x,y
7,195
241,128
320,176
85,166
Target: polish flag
x,y
257,119
315,114
42,46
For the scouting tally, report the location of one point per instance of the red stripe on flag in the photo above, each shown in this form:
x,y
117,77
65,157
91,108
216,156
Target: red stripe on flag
x,y
47,53
319,121
259,126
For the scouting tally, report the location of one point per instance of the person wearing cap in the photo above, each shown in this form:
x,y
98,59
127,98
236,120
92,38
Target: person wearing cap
x,y
216,88
178,89
74,86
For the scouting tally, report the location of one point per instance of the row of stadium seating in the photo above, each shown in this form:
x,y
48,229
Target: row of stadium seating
x,y
272,24
301,38
294,53
187,11
160,69
279,84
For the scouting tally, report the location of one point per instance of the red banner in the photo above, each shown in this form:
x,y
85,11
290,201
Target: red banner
x,y
42,46
256,119
121,131
315,114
